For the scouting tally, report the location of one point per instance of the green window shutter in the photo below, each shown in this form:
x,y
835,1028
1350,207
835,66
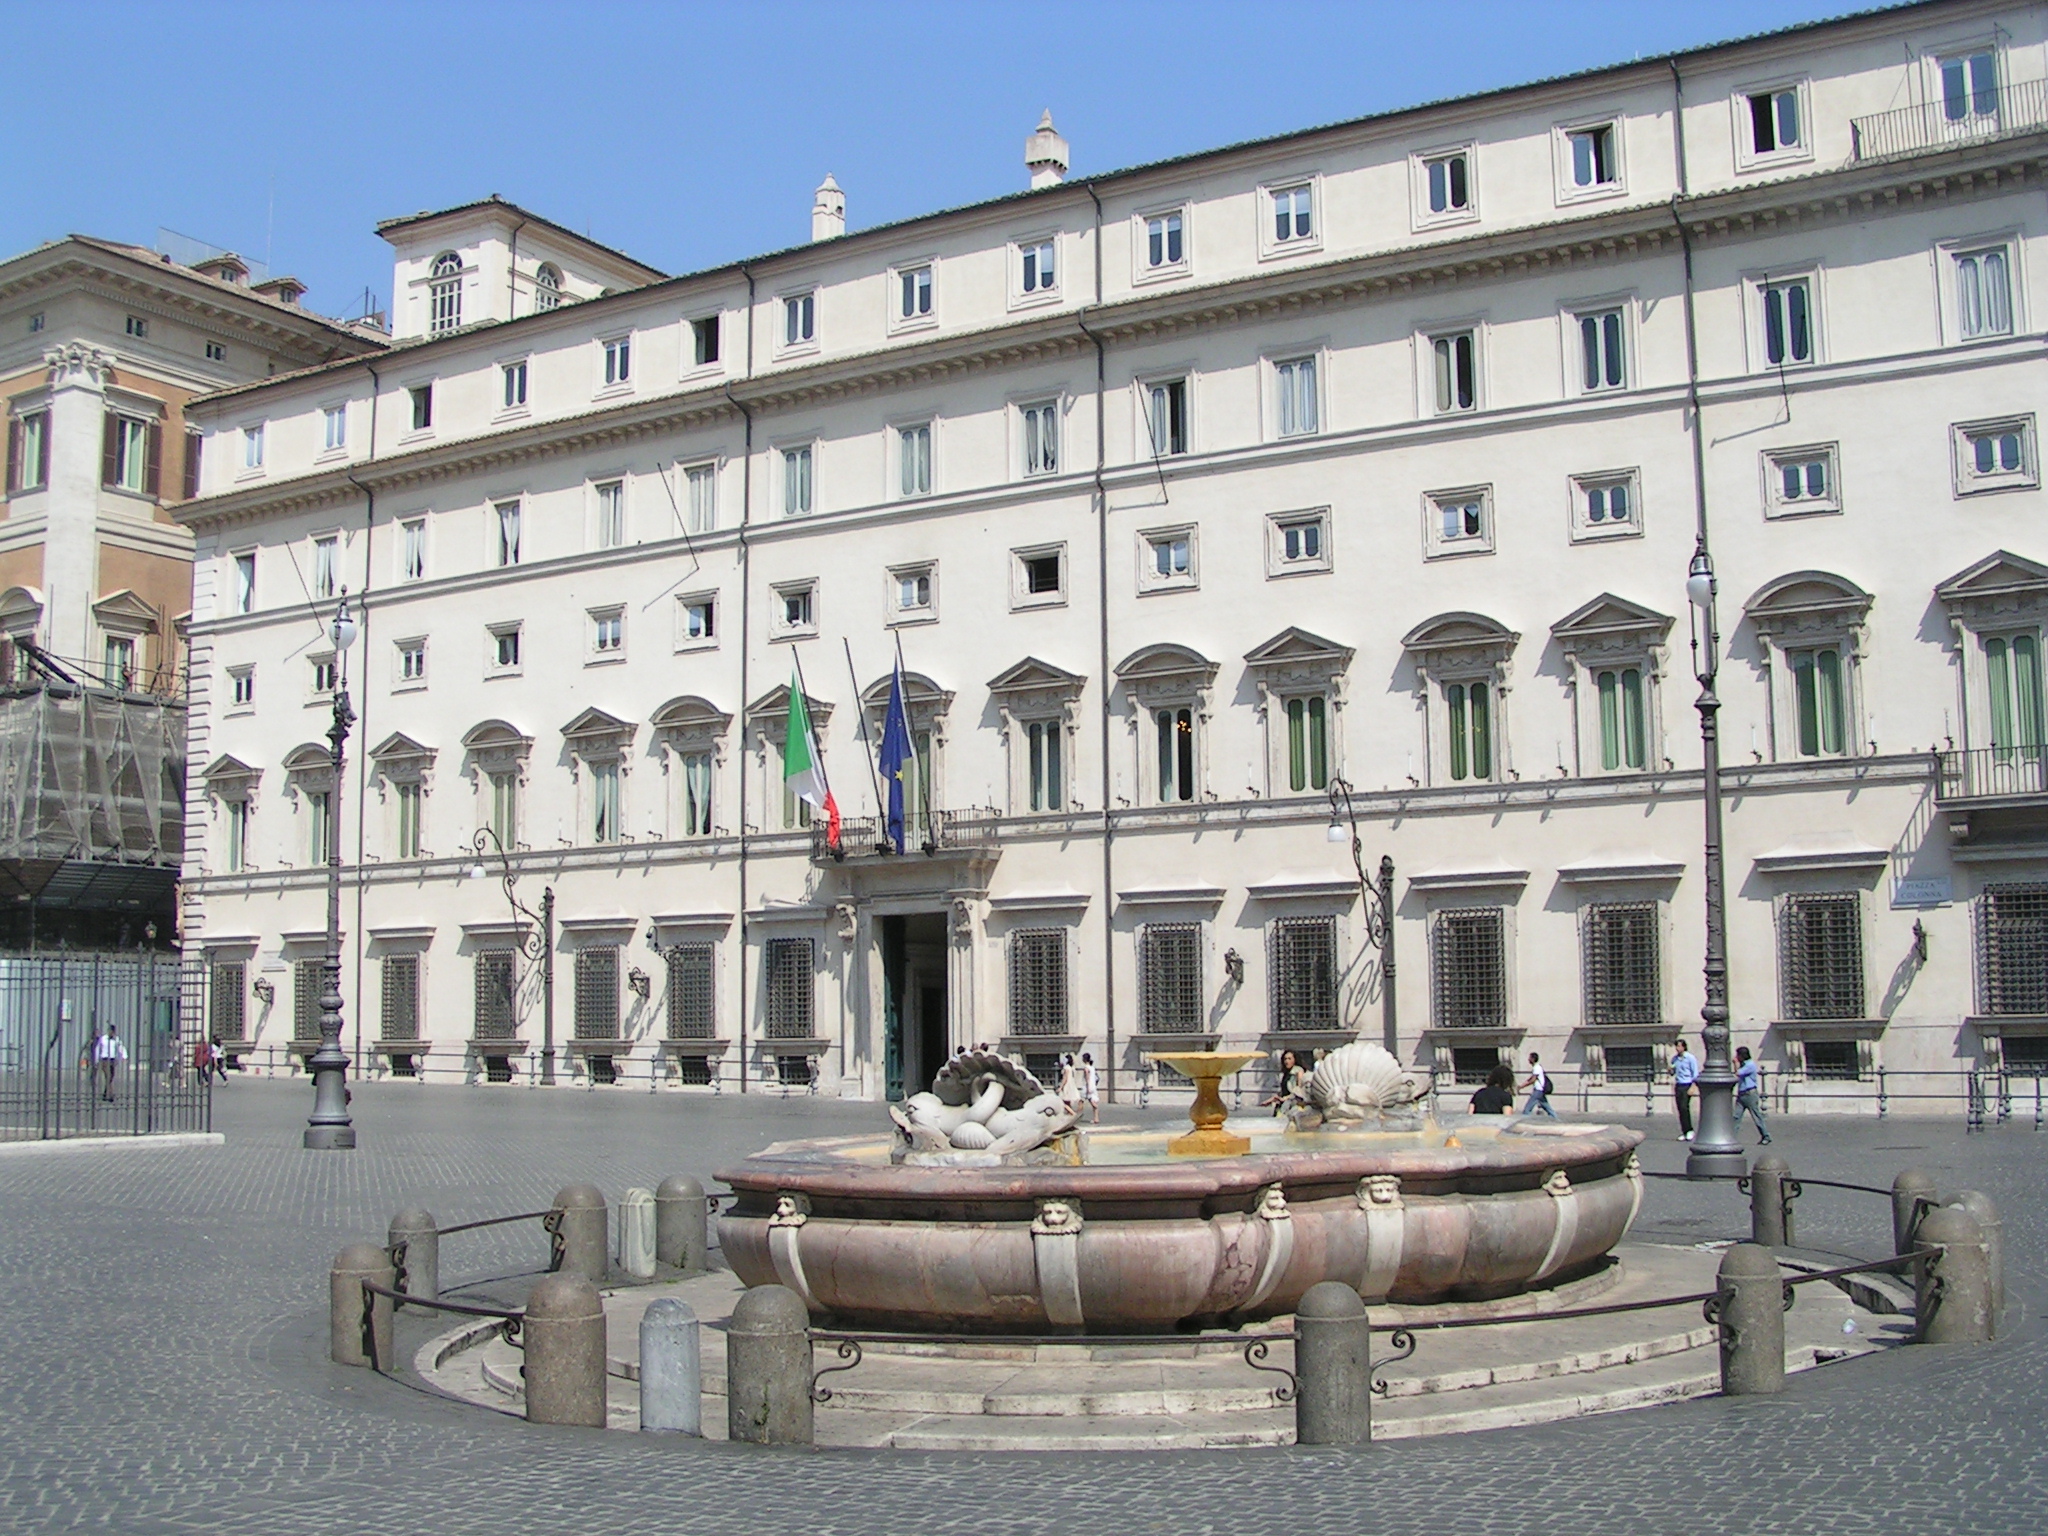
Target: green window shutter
x,y
1454,697
1318,744
1297,745
152,474
2026,690
1803,693
1482,734
1610,720
13,454
1827,677
1634,735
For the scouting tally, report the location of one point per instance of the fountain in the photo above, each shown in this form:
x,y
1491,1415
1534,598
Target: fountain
x,y
1026,1224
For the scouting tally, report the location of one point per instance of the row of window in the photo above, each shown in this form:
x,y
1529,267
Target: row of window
x,y
131,454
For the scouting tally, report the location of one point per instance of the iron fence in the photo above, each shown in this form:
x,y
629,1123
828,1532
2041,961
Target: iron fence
x,y
57,1077
1967,116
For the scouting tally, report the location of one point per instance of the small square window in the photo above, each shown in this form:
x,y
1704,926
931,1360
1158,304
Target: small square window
x,y
242,686
1799,481
618,361
704,341
138,327
1774,122
1167,560
515,384
1458,522
1293,213
1297,543
1606,506
796,609
1447,185
799,319
216,353
1165,247
422,406
796,481
607,633
913,593
1592,161
1038,269
696,621
1995,456
1039,432
1038,576
1454,371
334,428
326,673
1603,350
914,293
505,647
412,661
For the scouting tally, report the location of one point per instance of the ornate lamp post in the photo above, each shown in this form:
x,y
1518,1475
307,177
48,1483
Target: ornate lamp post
x,y
539,943
1379,903
328,1128
1715,1151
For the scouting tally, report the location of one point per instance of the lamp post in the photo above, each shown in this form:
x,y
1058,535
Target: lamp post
x,y
1715,1152
538,945
328,1128
1379,903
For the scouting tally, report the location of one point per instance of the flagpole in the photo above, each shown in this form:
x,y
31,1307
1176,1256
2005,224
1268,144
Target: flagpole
x,y
817,752
924,777
860,720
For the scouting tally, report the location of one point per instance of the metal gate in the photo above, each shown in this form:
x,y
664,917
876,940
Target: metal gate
x,y
54,1078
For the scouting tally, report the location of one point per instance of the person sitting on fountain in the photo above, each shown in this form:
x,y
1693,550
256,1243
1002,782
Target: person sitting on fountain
x,y
1497,1097
1291,1091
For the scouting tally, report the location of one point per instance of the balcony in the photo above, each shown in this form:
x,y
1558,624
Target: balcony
x,y
1986,115
1994,776
865,839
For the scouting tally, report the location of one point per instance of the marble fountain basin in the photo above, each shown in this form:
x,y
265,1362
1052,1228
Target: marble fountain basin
x,y
1125,1238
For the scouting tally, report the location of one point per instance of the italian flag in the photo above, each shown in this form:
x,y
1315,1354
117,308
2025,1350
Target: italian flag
x,y
803,768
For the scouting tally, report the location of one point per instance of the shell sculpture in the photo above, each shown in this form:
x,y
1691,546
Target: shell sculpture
x,y
982,1109
1360,1081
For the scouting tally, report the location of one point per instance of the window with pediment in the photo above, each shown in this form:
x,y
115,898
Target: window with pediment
x,y
2000,608
692,733
924,707
1039,705
1169,688
496,757
309,790
404,771
231,785
1810,628
767,737
600,746
1614,654
1300,679
1461,663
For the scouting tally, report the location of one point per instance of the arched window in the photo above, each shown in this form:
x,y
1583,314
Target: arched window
x,y
547,287
445,293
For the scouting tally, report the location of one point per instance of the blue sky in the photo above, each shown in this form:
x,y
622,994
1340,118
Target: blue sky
x,y
690,135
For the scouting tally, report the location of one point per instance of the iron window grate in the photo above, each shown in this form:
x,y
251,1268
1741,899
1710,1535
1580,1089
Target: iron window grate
x,y
1170,978
1618,944
1836,1061
306,989
597,992
1630,1063
787,1000
1468,966
1820,956
1301,966
2025,1055
793,1071
1043,1065
401,999
1473,1063
2012,948
694,1071
1038,981
495,977
690,1013
227,1000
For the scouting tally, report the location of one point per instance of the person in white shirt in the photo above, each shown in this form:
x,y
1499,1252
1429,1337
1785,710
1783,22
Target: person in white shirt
x,y
108,1052
1538,1084
1089,1093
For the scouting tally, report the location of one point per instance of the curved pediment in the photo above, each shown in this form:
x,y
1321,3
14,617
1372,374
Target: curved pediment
x,y
21,611
1032,675
1163,663
1450,631
1807,592
1610,617
1296,647
688,712
496,736
309,757
919,692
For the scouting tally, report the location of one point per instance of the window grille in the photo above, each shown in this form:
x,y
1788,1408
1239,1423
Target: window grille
x,y
307,985
597,992
1468,963
1038,982
694,1071
1837,1061
444,294
495,977
2025,1055
401,1019
1620,958
1820,956
226,1000
2012,948
689,992
1630,1063
1170,978
1473,1063
1043,1065
787,993
793,1071
1301,962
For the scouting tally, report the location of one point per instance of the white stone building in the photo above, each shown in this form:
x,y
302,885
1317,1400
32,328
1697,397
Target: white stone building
x,y
1376,451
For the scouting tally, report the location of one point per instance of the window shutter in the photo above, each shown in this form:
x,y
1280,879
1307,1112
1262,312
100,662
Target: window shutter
x,y
192,442
110,449
152,475
43,454
13,454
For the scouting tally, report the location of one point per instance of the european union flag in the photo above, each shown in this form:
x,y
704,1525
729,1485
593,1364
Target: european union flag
x,y
896,752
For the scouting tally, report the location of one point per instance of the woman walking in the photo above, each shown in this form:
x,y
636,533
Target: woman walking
x,y
1089,1092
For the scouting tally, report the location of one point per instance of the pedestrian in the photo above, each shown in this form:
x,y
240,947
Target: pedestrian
x,y
202,1059
1538,1084
108,1052
1749,1092
1070,1082
1089,1091
1685,1071
220,1059
1497,1095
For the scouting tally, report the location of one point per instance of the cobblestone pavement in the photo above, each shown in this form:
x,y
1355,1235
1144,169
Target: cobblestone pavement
x,y
162,1363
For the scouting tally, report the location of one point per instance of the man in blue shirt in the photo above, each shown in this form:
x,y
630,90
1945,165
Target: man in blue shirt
x,y
1685,1071
1749,1092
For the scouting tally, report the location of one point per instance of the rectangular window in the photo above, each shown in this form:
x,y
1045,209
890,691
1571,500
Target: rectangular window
x,y
1175,731
799,319
704,341
1630,1063
1293,214
1459,523
608,633
2012,665
1995,456
1167,415
505,647
1302,542
507,545
1788,322
1170,558
412,661
1038,981
913,590
414,547
1041,428
604,802
515,384
1624,740
1468,968
913,293
796,481
133,454
699,618
400,1018
1801,480
618,360
28,452
787,985
696,794
1618,949
796,608
1774,121
1040,274
1969,88
700,482
1820,955
308,982
406,803
1045,745
1469,708
1043,575
1308,743
235,855
120,662
245,582
611,514
1170,979
1301,962
1450,185
2012,948
1603,363
242,683
1604,506
1456,371
1818,701
1593,162
496,1016
1164,242
252,446
138,327
422,406
334,428
325,552
325,673
1983,294
1294,383
691,995
227,995
914,459
504,823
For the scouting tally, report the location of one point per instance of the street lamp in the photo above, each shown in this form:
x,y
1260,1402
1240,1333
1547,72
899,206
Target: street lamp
x,y
539,943
1379,903
1715,1151
328,1128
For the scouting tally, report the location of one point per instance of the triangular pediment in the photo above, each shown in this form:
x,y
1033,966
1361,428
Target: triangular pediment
x,y
596,722
1031,673
228,766
1449,630
1999,574
1164,661
774,705
1610,615
123,610
398,746
1294,646
688,712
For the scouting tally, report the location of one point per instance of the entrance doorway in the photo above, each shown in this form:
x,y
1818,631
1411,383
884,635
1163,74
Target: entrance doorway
x,y
916,1037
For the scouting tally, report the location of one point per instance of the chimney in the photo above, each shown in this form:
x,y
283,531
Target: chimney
x,y
828,211
1045,154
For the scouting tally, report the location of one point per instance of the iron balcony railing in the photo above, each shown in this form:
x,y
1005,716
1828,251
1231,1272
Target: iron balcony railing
x,y
867,837
1947,122
1992,773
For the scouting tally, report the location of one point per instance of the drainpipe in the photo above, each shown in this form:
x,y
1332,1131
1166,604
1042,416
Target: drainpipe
x,y
363,724
746,613
512,275
1102,665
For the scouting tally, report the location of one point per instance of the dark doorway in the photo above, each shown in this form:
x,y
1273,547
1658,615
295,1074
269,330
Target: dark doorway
x,y
916,1037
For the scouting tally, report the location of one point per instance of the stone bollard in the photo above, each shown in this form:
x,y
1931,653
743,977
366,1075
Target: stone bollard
x,y
421,1235
636,1233
1912,1189
349,1341
1992,1226
1953,1301
580,1214
1770,1214
680,1219
1333,1367
1750,1312
564,1338
671,1369
768,1369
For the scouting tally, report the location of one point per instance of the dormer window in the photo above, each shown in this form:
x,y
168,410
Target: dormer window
x,y
444,294
547,287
